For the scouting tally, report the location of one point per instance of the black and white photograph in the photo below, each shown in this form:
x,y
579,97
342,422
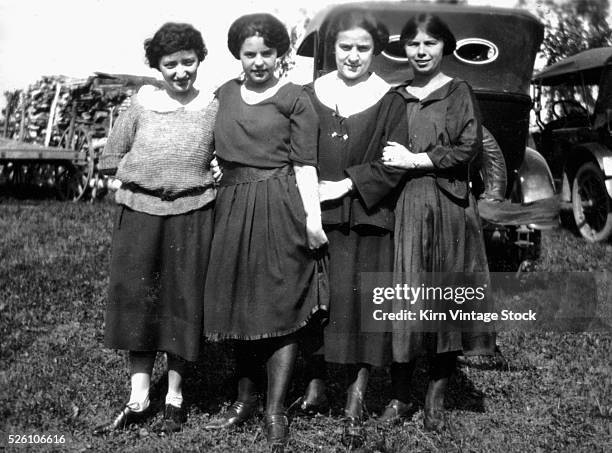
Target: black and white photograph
x,y
324,226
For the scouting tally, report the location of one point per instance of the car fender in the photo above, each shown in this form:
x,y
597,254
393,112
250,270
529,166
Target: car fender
x,y
595,152
535,180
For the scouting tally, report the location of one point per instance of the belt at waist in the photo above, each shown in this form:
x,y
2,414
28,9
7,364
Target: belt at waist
x,y
239,174
165,194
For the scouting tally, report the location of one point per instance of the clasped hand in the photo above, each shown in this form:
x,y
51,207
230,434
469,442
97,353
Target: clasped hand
x,y
397,155
217,173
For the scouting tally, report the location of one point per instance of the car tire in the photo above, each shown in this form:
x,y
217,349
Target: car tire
x,y
591,204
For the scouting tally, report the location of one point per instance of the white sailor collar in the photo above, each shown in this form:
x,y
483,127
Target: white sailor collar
x,y
349,100
157,100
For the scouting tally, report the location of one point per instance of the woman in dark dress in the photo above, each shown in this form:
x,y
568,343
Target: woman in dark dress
x,y
263,285
437,228
160,149
357,117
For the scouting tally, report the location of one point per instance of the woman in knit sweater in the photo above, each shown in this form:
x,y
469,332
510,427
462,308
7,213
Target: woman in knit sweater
x,y
161,149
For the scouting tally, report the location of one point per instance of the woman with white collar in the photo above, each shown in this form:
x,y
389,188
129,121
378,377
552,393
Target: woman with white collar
x,y
357,117
264,280
160,150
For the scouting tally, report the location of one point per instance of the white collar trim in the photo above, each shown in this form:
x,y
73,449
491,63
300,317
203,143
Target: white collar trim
x,y
349,100
253,98
157,100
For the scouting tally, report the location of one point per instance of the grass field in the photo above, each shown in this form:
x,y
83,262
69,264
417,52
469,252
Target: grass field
x,y
553,391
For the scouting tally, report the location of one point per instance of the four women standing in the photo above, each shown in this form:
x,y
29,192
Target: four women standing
x,y
262,285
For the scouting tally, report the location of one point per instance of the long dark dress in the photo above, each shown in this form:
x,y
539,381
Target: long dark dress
x,y
262,279
359,226
437,228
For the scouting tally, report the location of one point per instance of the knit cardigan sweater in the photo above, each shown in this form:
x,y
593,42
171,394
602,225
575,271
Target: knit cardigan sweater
x,y
161,150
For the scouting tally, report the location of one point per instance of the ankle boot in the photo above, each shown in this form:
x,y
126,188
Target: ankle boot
x,y
277,432
434,405
395,412
313,402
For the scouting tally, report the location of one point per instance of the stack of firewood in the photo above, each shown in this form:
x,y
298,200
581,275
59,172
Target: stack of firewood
x,y
43,112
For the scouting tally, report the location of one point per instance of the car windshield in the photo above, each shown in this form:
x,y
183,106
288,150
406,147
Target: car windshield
x,y
571,100
604,101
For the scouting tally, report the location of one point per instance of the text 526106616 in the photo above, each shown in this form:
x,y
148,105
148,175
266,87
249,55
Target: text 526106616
x,y
36,439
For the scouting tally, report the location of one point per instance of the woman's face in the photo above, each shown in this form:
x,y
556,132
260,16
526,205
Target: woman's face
x,y
180,70
258,61
354,53
424,53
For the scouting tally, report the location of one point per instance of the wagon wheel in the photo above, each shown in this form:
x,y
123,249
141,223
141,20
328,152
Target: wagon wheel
x,y
17,174
44,175
591,203
98,187
72,179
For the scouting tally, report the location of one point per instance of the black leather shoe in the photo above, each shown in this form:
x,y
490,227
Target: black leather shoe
x,y
277,432
395,412
353,433
173,420
236,414
302,406
126,417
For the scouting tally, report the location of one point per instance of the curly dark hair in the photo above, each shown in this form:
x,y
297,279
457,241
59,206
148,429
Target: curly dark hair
x,y
358,18
272,30
433,26
172,37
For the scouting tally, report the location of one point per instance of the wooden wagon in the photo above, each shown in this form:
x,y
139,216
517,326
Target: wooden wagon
x,y
78,122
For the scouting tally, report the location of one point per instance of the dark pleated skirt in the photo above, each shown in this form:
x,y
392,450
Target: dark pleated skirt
x,y
158,267
350,254
263,281
436,233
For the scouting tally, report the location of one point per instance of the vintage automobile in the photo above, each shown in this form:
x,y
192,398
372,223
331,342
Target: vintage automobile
x,y
496,50
576,141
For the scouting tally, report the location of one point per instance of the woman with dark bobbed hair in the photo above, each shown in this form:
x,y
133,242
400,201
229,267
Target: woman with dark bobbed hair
x,y
263,285
272,31
357,115
437,227
174,36
160,150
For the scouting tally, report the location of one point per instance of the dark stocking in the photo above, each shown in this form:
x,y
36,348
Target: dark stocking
x,y
280,369
316,373
248,370
401,376
442,366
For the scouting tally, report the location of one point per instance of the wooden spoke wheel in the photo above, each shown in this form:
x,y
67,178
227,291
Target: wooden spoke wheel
x,y
591,204
20,174
44,175
72,179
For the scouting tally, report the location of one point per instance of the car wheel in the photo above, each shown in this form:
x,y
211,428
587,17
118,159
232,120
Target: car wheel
x,y
591,203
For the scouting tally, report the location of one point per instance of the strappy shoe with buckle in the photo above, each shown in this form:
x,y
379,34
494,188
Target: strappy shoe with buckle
x,y
124,419
173,420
